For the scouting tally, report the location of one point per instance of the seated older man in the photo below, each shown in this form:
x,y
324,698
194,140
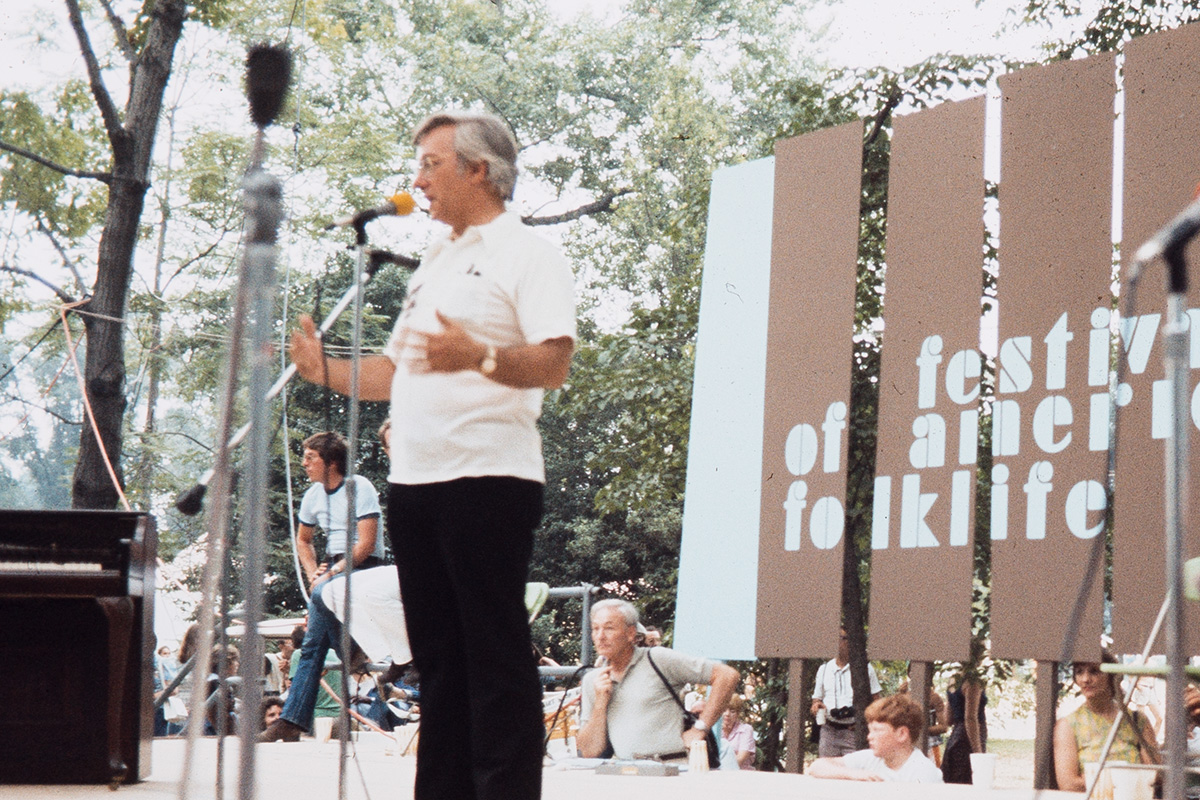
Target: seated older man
x,y
892,723
627,708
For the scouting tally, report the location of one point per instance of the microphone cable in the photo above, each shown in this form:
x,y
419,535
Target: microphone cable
x,y
562,702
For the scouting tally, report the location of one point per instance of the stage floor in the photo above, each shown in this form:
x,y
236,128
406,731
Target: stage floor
x,y
309,770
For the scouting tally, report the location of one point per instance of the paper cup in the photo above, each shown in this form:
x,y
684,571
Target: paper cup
x,y
1131,783
983,769
323,728
1103,780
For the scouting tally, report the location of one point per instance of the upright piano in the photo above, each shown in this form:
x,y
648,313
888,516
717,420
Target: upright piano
x,y
76,646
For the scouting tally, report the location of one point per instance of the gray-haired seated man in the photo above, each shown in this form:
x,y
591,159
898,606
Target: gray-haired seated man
x,y
627,708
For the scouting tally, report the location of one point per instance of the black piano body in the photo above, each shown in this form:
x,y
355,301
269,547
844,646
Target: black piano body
x,y
76,646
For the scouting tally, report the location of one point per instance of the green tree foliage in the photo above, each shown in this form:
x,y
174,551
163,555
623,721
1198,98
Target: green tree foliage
x,y
1112,24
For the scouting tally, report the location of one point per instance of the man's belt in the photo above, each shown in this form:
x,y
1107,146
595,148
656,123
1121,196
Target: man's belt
x,y
367,563
660,756
834,723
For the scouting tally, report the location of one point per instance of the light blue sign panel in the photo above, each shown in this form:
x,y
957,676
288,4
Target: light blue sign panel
x,y
718,565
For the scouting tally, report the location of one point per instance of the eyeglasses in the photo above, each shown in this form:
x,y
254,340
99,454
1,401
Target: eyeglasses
x,y
428,164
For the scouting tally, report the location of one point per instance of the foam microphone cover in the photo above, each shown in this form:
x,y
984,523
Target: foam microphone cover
x,y
268,75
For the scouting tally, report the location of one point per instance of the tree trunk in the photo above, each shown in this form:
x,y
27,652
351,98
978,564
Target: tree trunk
x,y
133,145
855,623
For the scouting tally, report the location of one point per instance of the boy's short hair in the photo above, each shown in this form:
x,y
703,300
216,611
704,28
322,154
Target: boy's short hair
x,y
899,711
331,447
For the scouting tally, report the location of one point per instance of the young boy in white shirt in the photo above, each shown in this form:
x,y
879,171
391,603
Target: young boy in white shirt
x,y
892,724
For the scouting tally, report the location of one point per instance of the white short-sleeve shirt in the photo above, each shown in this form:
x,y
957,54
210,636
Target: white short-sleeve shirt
x,y
833,684
917,769
321,508
506,287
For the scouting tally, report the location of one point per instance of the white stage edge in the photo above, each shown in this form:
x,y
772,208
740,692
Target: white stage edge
x,y
308,770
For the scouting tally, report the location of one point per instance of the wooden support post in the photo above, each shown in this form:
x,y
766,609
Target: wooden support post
x,y
797,717
920,687
1046,677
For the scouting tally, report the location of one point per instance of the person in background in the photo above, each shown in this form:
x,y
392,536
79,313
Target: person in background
x,y
1079,737
891,723
653,636
283,659
216,723
939,721
326,505
833,701
271,708
1191,701
188,646
966,707
738,735
628,708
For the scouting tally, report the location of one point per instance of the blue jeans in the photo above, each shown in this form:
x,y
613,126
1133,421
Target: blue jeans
x,y
323,634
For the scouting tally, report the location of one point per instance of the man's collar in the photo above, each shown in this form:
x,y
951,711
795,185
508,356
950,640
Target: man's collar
x,y
498,226
633,659
341,483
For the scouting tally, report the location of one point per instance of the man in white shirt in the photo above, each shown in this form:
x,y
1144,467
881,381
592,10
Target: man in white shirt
x,y
325,506
833,702
487,325
892,723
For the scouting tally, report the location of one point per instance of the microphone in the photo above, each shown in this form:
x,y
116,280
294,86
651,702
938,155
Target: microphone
x,y
400,204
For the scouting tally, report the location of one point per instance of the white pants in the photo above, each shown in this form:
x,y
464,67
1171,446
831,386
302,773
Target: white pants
x,y
377,615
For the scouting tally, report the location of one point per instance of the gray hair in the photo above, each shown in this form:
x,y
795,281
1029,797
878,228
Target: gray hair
x,y
622,607
479,138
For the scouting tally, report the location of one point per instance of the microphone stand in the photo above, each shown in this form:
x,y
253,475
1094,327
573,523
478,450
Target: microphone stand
x,y
190,501
1177,366
268,76
361,276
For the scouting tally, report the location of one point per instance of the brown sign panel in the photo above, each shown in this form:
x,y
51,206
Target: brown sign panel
x,y
814,250
922,524
1162,166
1049,435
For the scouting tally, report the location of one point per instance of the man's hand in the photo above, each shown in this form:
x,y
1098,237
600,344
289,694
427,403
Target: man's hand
x,y
306,351
835,767
320,576
693,735
817,705
452,350
603,687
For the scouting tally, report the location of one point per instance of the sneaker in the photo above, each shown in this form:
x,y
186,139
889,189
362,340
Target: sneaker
x,y
281,731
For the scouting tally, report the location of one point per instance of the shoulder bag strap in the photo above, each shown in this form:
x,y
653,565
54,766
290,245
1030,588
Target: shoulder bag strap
x,y
666,683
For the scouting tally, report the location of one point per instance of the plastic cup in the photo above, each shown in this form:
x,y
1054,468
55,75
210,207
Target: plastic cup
x,y
983,770
1132,784
323,728
1103,780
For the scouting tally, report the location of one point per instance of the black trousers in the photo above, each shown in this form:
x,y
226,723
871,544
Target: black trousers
x,y
462,549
